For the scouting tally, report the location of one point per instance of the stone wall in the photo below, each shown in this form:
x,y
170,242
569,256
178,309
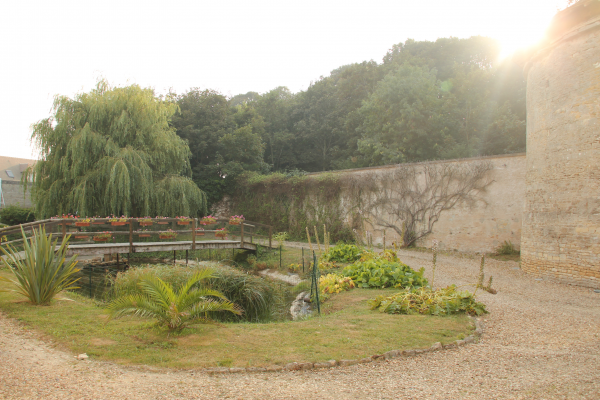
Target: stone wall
x,y
561,226
13,194
480,227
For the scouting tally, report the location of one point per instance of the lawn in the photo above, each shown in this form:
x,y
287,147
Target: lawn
x,y
346,330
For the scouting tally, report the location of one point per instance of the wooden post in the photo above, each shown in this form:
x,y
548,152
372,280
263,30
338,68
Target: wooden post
x,y
131,235
174,257
186,257
64,230
270,235
242,236
193,236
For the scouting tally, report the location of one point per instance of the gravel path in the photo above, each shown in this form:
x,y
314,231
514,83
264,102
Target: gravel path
x,y
541,341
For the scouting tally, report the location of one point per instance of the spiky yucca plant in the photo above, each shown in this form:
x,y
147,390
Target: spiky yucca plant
x,y
40,273
157,299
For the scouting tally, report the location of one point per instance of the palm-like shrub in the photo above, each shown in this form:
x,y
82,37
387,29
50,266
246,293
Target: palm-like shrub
x,y
175,309
40,271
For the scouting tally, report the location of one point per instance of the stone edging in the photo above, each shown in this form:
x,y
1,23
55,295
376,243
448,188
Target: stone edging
x,y
301,366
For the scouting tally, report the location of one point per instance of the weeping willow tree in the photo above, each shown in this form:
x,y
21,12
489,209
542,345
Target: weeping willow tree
x,y
111,151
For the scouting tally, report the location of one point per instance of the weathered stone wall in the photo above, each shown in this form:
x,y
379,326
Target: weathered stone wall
x,y
13,194
480,227
561,226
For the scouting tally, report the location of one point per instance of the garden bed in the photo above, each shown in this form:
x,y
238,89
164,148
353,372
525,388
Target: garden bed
x,y
346,330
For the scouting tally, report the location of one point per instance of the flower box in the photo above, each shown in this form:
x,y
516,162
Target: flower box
x,y
236,219
101,239
118,223
167,236
144,235
208,220
163,223
183,222
82,224
98,223
81,237
146,223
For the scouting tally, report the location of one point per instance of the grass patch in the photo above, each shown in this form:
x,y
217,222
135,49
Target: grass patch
x,y
346,330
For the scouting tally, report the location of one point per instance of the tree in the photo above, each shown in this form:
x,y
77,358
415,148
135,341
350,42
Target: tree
x,y
402,118
411,198
172,308
111,151
224,140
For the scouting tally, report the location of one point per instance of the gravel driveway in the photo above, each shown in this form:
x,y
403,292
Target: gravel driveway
x,y
541,341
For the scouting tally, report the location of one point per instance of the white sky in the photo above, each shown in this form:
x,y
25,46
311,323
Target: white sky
x,y
62,47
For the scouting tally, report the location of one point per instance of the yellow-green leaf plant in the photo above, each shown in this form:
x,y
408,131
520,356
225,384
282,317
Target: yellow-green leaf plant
x,y
40,270
111,152
173,308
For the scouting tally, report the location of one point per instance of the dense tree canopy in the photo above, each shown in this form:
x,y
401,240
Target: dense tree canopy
x,y
111,151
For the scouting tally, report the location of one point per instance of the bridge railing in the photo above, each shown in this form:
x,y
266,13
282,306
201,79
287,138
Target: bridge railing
x,y
135,230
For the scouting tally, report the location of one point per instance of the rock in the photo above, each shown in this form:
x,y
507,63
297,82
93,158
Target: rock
x,y
256,369
293,366
377,357
365,360
409,353
274,368
469,339
307,298
215,371
237,370
332,363
82,356
449,346
322,365
436,346
391,354
597,290
460,342
305,366
300,308
347,363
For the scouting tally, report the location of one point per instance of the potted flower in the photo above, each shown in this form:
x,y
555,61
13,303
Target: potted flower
x,y
208,220
102,237
117,221
83,221
236,219
65,216
143,233
221,233
145,221
199,231
170,234
183,220
162,222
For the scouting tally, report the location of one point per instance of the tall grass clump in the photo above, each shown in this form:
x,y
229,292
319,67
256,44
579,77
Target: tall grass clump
x,y
262,300
41,272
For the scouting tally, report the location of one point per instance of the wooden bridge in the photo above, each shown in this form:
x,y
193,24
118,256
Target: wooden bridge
x,y
86,236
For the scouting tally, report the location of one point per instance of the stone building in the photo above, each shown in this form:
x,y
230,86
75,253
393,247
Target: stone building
x,y
561,221
11,190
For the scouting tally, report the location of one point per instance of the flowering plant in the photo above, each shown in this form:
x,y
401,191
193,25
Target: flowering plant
x,y
222,233
122,218
103,236
209,219
333,284
236,219
183,220
64,216
169,234
144,219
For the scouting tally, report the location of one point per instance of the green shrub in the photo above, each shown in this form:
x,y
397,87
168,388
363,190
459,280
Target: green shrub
x,y
424,300
174,308
258,297
42,272
380,272
346,253
15,215
506,248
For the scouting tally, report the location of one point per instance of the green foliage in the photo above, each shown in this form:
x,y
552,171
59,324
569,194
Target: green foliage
x,y
259,298
426,301
111,151
331,284
173,308
507,248
341,252
379,272
15,215
41,273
